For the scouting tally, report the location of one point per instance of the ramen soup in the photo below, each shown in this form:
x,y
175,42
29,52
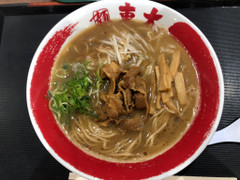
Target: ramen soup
x,y
124,91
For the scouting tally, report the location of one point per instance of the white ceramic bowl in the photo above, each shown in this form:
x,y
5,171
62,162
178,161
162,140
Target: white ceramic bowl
x,y
172,161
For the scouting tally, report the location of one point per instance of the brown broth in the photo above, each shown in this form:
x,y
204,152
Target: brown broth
x,y
76,50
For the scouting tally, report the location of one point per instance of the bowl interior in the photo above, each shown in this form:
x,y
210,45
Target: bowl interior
x,y
166,164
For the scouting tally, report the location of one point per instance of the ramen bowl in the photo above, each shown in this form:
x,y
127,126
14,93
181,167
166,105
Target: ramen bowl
x,y
186,150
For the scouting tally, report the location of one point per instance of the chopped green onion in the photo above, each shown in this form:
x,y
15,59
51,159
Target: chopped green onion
x,y
72,97
65,66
